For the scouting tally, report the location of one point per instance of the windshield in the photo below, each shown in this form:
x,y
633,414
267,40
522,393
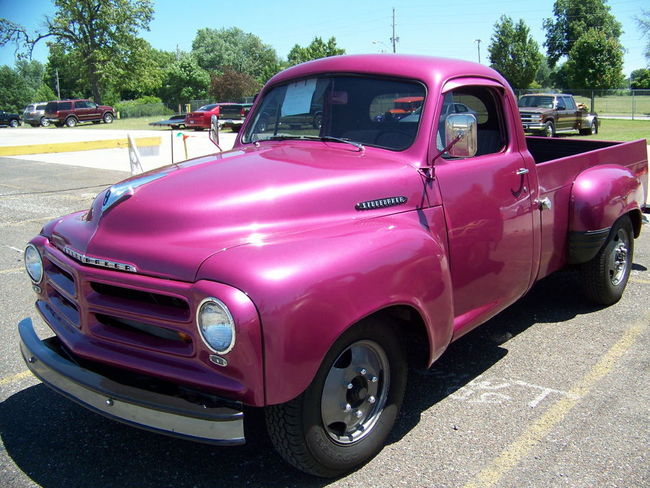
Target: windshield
x,y
536,101
207,108
349,108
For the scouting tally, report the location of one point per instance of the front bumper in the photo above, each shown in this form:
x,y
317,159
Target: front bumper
x,y
533,126
156,409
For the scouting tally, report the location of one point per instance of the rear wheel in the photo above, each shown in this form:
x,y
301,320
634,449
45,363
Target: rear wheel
x,y
343,418
605,277
70,121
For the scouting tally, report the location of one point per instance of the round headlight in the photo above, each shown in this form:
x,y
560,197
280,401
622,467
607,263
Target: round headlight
x,y
33,263
216,325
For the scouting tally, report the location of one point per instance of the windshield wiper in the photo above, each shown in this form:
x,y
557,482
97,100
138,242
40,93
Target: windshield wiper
x,y
283,137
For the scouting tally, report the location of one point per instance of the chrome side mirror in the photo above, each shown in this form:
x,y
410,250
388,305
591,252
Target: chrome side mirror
x,y
460,135
214,131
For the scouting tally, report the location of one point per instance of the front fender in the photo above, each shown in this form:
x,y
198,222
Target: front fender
x,y
599,197
310,288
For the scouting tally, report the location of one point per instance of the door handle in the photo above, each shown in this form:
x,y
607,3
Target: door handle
x,y
521,171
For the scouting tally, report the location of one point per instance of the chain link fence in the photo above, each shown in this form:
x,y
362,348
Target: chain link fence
x,y
629,104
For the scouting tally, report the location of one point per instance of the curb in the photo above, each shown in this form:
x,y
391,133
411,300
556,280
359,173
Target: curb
x,y
59,147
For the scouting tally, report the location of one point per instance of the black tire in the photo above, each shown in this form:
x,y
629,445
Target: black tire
x,y
14,123
44,122
58,124
605,277
549,129
343,418
318,121
70,122
108,118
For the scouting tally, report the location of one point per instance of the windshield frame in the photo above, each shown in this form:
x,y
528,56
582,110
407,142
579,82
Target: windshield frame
x,y
412,88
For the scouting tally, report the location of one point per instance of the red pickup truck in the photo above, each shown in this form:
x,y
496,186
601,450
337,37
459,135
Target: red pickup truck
x,y
303,270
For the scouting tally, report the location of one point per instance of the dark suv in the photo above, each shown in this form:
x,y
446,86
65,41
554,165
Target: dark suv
x,y
72,112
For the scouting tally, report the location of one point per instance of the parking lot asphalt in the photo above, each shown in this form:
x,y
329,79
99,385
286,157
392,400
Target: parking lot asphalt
x,y
552,392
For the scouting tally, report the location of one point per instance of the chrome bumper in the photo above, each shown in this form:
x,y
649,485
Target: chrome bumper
x,y
136,406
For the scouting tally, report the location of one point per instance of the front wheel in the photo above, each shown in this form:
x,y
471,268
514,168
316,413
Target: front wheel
x,y
44,122
343,418
14,123
604,278
549,129
108,118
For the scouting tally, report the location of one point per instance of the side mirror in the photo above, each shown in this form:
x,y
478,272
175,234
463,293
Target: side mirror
x,y
214,131
460,135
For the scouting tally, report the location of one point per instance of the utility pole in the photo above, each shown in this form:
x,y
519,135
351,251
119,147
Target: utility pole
x,y
478,47
394,39
58,90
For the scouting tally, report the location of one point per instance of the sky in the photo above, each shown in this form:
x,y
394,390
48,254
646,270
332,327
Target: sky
x,y
436,28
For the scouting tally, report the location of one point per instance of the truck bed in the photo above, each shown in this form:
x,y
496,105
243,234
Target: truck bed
x,y
545,149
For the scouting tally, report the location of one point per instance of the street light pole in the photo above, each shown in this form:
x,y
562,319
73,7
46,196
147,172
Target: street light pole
x,y
478,47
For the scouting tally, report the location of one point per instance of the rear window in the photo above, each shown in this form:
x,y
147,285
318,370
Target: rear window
x,y
41,107
56,106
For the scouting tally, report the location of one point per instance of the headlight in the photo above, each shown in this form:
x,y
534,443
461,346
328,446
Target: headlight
x,y
216,325
33,263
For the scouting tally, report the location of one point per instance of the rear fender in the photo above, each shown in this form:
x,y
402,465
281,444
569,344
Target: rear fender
x,y
599,197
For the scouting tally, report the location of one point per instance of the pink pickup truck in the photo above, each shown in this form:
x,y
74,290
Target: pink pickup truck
x,y
303,270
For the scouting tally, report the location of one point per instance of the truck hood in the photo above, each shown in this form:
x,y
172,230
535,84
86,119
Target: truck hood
x,y
167,222
534,110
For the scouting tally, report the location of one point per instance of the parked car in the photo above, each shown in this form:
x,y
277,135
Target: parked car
x,y
549,114
34,115
6,118
175,122
230,115
303,274
73,112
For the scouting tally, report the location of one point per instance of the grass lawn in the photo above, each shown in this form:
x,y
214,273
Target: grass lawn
x,y
621,130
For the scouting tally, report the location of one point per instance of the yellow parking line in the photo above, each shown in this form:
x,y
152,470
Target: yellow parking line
x,y
16,377
57,147
535,433
639,280
9,271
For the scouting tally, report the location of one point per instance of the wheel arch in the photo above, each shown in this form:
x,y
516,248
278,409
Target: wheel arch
x,y
599,197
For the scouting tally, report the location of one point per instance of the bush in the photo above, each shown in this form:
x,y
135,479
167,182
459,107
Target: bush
x,y
142,107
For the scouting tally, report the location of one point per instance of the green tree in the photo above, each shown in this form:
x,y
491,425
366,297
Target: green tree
x,y
644,24
102,32
216,50
595,61
317,49
514,53
640,78
573,18
184,80
67,66
15,93
544,74
233,86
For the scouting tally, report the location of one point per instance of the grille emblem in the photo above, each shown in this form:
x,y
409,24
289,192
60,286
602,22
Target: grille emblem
x,y
102,263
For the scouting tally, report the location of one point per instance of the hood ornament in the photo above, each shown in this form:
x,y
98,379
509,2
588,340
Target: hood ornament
x,y
124,190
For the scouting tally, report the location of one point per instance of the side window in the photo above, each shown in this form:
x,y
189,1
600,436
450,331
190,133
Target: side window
x,y
65,106
81,104
570,104
485,104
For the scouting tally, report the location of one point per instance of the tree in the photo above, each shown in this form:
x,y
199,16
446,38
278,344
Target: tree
x,y
572,20
514,53
595,61
184,80
216,50
101,32
233,86
15,93
317,49
644,25
640,78
544,74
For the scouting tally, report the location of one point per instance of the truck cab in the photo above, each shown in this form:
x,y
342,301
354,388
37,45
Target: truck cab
x,y
549,114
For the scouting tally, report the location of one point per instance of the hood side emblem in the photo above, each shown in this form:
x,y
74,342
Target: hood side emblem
x,y
381,203
126,189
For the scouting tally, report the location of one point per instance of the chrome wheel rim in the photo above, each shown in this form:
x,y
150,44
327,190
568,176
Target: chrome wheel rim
x,y
618,261
549,131
355,392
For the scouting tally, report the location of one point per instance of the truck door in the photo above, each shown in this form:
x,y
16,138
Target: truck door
x,y
488,209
